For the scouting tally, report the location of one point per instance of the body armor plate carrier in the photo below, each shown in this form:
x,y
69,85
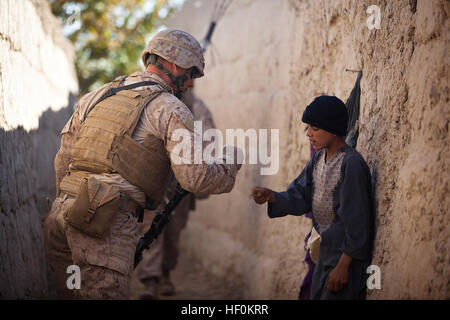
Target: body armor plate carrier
x,y
104,143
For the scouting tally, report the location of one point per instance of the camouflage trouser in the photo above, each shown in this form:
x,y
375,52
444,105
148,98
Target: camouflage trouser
x,y
105,264
162,256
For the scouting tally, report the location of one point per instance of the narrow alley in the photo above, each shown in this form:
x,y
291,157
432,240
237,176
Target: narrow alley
x,y
192,282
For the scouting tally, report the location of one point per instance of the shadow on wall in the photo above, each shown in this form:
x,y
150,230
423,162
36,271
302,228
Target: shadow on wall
x,y
46,142
27,187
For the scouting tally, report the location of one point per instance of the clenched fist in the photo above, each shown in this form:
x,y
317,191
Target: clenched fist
x,y
262,195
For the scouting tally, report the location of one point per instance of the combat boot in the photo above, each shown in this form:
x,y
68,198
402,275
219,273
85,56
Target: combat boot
x,y
150,291
167,288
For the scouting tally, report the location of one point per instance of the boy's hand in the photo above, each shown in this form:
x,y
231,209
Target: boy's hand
x,y
262,195
338,278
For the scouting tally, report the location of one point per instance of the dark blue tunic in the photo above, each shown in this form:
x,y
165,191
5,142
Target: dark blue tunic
x,y
351,228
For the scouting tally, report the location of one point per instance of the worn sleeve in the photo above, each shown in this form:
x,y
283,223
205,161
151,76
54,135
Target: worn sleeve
x,y
169,119
190,171
356,207
296,200
201,113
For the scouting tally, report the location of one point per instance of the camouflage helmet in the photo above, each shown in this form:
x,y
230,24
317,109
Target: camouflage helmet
x,y
178,47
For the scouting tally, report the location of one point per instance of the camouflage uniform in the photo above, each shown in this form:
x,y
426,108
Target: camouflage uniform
x,y
106,264
162,256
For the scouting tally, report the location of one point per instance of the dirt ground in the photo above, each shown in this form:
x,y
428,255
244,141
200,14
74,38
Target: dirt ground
x,y
192,282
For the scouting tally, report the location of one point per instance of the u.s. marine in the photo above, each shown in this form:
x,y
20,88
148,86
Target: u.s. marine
x,y
115,160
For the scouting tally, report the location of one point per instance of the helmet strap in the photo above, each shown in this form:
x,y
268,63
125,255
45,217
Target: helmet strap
x,y
177,81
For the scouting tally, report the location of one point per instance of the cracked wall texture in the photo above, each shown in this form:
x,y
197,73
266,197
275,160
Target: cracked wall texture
x,y
267,61
37,79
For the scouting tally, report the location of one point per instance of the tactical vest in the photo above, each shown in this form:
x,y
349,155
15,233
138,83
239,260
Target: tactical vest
x,y
104,143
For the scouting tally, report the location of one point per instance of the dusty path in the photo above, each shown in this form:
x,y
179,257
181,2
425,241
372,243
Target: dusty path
x,y
193,283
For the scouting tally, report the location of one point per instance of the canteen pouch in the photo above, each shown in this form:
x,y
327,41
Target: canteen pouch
x,y
94,207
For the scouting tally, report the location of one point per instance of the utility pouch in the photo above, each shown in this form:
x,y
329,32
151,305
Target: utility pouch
x,y
94,207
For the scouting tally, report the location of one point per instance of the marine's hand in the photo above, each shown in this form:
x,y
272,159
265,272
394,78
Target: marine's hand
x,y
234,155
261,195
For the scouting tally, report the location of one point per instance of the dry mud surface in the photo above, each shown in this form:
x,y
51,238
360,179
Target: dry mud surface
x,y
192,282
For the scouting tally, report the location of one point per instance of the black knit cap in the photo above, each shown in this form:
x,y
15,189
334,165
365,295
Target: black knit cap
x,y
328,113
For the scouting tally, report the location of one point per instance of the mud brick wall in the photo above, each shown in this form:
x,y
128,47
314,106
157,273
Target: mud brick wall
x,y
37,84
268,60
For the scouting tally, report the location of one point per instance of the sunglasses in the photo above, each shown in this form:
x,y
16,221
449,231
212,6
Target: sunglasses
x,y
192,73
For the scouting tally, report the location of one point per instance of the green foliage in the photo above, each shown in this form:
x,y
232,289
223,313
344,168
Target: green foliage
x,y
110,35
